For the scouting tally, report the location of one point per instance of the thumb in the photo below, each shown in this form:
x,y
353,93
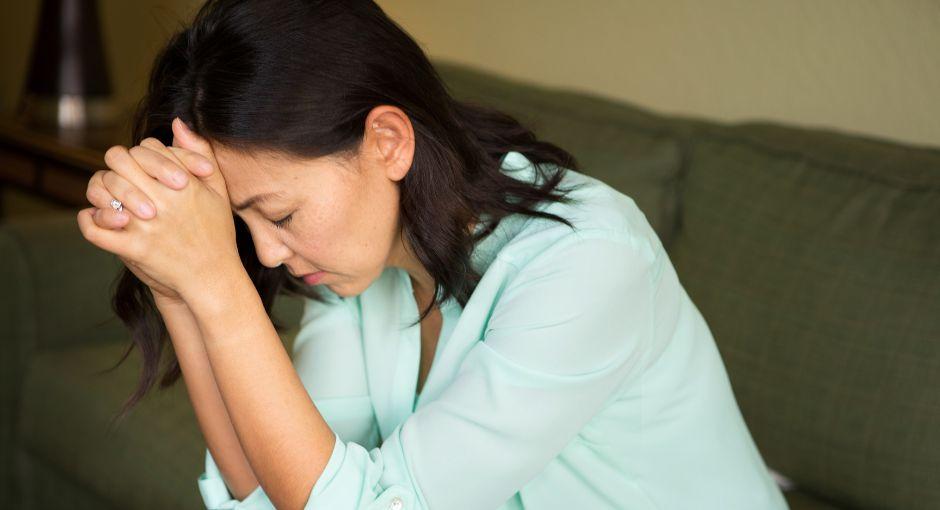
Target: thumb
x,y
185,138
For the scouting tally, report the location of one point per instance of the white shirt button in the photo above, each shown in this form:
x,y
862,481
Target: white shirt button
x,y
396,504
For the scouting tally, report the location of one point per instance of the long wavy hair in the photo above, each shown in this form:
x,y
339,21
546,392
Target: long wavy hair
x,y
299,77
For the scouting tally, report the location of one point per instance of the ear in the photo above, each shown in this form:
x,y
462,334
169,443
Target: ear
x,y
389,139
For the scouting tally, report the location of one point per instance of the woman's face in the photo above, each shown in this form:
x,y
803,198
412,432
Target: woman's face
x,y
342,214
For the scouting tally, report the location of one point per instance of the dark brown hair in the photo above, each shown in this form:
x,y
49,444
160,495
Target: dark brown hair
x,y
299,77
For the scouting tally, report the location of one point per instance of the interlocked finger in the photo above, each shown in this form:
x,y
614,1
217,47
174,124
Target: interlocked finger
x,y
195,163
99,196
121,162
158,166
134,200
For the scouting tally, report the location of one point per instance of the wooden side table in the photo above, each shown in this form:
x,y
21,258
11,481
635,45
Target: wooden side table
x,y
53,166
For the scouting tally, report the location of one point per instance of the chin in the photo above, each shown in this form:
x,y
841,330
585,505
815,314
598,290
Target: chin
x,y
340,290
335,290
350,289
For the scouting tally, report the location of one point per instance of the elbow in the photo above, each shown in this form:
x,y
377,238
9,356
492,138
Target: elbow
x,y
243,488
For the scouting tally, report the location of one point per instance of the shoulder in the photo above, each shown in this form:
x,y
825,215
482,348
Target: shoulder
x,y
603,221
609,253
574,301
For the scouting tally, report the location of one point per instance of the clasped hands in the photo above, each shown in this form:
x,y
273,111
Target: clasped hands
x,y
188,234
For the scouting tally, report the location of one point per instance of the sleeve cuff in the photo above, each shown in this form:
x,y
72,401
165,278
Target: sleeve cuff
x,y
356,477
351,477
216,496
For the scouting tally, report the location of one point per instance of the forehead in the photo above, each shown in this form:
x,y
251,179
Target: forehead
x,y
251,173
248,174
242,167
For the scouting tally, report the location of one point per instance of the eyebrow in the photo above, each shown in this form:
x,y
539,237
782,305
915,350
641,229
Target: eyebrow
x,y
256,199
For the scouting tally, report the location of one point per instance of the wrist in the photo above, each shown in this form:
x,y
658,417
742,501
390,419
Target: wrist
x,y
214,293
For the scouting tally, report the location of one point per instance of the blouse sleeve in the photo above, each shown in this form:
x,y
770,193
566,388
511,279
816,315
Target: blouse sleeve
x,y
327,354
569,328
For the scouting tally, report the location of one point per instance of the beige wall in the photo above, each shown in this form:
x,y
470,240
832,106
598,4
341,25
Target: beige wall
x,y
862,66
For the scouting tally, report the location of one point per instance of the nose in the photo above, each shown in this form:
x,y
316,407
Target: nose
x,y
271,251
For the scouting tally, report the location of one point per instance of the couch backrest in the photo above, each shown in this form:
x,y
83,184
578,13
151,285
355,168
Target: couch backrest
x,y
815,258
631,149
813,255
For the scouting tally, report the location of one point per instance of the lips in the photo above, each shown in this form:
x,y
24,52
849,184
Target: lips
x,y
314,278
295,275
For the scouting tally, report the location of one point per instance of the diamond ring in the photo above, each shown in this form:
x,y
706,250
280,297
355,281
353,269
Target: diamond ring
x,y
116,205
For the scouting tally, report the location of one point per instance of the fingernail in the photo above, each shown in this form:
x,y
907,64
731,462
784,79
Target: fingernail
x,y
146,210
185,126
205,166
179,178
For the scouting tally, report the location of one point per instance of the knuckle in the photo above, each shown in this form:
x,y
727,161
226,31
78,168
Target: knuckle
x,y
93,184
109,179
137,197
113,152
140,155
92,194
115,183
137,150
169,168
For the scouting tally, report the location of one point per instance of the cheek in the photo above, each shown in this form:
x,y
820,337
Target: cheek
x,y
365,222
379,217
350,229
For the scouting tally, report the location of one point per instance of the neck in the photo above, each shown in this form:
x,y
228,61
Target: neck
x,y
422,282
403,256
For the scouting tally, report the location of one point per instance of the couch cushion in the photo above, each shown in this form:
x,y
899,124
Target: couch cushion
x,y
47,486
632,150
150,460
799,500
815,259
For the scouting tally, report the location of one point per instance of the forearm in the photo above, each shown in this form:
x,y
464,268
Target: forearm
x,y
283,435
211,414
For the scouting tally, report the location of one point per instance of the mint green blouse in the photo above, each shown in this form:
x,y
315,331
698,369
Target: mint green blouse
x,y
578,375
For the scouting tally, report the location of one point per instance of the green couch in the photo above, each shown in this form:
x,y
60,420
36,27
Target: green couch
x,y
814,256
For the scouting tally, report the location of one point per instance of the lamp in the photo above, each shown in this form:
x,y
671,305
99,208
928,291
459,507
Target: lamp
x,y
68,86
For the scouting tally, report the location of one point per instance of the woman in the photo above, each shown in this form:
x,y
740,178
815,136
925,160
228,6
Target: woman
x,y
483,325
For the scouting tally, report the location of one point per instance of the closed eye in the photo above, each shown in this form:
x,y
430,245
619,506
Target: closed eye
x,y
283,221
